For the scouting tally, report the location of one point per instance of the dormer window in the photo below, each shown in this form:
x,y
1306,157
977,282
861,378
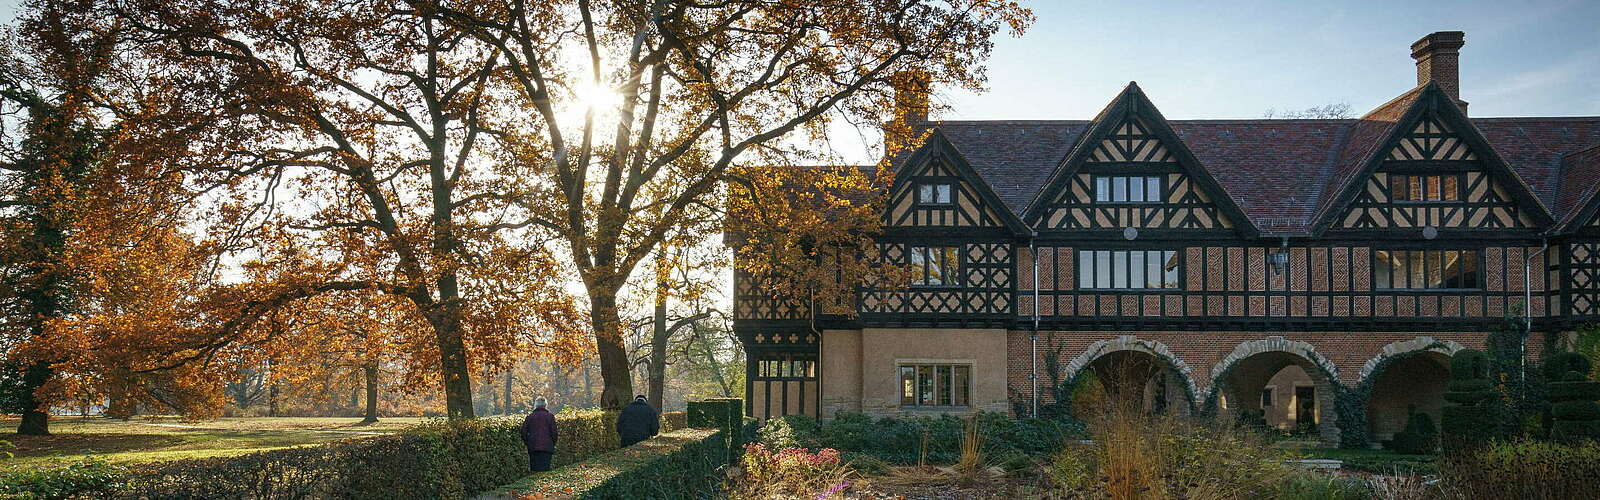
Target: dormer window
x,y
1127,189
930,194
1425,188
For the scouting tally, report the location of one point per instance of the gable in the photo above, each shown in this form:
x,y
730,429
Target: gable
x,y
1131,142
1133,172
963,208
1431,140
1432,176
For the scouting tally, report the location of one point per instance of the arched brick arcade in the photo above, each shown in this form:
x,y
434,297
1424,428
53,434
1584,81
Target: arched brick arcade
x,y
1414,372
1294,386
1144,375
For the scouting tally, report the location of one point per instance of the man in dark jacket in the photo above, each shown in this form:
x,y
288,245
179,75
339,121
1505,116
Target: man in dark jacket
x,y
539,433
637,422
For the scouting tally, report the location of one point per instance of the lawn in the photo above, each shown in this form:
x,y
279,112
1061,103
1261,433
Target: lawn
x,y
1375,461
144,439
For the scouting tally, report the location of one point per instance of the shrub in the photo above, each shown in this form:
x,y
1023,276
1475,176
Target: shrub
x,y
790,431
1572,398
1134,456
1525,469
85,478
936,439
1419,436
1308,485
438,459
1472,418
793,471
678,464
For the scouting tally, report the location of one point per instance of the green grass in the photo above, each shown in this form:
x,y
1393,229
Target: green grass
x,y
146,439
1375,461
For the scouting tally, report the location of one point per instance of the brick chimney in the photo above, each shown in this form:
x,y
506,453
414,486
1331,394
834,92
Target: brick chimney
x,y
911,91
1438,58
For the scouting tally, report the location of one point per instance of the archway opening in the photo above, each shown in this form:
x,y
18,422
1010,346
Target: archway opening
x,y
1282,391
1416,380
1131,381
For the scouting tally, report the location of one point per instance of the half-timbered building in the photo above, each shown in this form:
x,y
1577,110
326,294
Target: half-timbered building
x,y
1279,265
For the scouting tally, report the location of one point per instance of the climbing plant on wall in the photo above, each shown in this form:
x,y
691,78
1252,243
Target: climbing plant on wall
x,y
1520,385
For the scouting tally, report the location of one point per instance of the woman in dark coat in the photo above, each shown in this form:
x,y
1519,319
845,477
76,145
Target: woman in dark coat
x,y
539,433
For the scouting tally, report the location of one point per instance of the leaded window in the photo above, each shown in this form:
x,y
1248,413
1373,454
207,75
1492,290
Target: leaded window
x,y
1427,270
934,194
1127,189
1129,269
935,266
1425,188
935,385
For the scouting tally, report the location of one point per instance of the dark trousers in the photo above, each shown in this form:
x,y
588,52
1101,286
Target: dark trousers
x,y
539,461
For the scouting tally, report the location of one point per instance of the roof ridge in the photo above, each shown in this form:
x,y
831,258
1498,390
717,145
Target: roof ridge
x,y
1397,98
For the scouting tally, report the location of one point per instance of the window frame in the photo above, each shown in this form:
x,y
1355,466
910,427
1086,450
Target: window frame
x,y
1411,178
1431,259
1110,182
943,375
950,193
949,275
1090,275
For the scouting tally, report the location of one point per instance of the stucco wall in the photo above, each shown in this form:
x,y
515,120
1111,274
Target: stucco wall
x,y
872,385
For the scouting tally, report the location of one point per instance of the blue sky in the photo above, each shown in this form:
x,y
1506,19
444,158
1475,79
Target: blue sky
x,y
1200,60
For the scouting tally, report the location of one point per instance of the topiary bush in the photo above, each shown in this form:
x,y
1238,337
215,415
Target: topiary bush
x,y
1418,438
1572,398
1472,417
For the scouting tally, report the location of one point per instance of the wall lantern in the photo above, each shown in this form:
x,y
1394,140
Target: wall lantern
x,y
1280,258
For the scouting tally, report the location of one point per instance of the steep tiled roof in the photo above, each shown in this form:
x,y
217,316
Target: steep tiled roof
x,y
1535,148
1242,153
1579,183
1366,135
1283,172
1014,156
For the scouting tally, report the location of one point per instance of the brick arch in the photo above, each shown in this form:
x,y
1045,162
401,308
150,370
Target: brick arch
x,y
1131,343
1273,344
1405,347
1323,372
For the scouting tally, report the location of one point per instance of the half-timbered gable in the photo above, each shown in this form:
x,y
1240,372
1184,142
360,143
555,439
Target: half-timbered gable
x,y
1323,252
1436,171
968,274
1130,171
935,188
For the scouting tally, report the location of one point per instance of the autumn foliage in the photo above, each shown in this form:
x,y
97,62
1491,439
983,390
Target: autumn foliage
x,y
313,185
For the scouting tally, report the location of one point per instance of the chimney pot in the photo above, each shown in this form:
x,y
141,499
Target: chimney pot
x,y
1438,58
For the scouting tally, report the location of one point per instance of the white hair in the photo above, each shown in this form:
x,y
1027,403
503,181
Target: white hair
x,y
539,402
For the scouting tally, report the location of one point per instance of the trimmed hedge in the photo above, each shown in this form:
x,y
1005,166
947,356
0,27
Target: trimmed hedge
x,y
438,459
1472,418
1524,469
678,464
900,440
1572,398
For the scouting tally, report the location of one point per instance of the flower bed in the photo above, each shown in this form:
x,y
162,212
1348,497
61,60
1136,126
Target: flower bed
x,y
678,464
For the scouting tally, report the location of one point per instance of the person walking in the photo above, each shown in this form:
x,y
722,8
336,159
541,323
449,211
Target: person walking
x,y
539,434
637,422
